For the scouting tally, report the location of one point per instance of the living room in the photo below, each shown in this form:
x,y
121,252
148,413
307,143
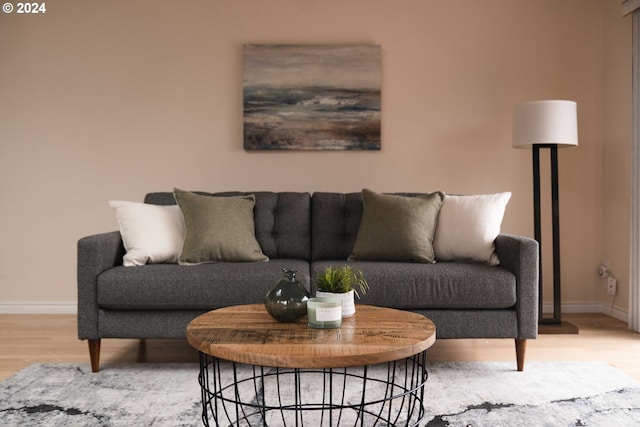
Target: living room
x,y
113,100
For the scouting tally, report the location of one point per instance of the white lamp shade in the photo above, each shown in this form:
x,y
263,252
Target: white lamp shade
x,y
545,122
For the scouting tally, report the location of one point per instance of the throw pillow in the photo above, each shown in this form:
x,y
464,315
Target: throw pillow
x,y
468,226
151,234
218,229
397,228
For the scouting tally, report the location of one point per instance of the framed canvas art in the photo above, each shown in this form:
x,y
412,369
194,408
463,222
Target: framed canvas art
x,y
311,97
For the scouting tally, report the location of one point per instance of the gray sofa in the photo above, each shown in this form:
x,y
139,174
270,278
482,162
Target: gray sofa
x,y
303,232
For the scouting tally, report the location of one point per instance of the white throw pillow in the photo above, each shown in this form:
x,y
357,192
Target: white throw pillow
x,y
467,227
151,234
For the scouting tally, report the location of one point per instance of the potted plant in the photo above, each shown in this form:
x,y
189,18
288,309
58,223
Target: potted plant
x,y
342,282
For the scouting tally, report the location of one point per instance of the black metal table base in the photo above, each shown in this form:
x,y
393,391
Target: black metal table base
x,y
234,394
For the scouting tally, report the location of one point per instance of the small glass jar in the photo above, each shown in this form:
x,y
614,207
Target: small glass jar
x,y
324,312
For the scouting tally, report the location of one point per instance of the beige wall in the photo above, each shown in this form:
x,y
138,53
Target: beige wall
x,y
617,138
110,100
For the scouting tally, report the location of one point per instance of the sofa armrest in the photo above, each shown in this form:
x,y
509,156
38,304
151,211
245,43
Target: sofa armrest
x,y
520,256
96,254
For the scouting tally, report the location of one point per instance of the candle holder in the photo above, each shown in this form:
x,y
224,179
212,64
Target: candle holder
x,y
324,312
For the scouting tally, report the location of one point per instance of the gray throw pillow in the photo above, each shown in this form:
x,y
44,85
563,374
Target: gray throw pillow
x,y
218,229
397,228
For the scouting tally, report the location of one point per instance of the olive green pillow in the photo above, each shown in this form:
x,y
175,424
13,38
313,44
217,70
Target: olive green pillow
x,y
397,228
218,229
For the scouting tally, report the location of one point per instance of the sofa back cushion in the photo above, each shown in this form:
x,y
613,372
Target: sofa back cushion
x,y
282,220
335,220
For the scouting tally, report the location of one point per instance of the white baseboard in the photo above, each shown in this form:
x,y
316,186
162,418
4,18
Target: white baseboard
x,y
38,307
590,307
72,308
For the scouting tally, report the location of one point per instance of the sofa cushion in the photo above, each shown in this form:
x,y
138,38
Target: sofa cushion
x,y
397,228
468,227
218,229
282,220
150,234
335,219
450,285
203,286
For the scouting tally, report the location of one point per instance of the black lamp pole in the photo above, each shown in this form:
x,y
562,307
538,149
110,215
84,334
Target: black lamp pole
x,y
556,320
537,230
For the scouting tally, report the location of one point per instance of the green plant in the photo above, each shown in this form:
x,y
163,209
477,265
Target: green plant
x,y
342,279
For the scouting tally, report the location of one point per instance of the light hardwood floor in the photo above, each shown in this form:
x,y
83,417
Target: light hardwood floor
x,y
27,339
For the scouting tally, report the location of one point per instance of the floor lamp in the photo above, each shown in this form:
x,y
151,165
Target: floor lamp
x,y
547,124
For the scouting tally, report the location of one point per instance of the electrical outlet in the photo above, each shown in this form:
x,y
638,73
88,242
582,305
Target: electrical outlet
x,y
611,285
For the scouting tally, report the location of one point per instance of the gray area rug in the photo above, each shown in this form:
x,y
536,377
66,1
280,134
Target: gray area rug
x,y
457,394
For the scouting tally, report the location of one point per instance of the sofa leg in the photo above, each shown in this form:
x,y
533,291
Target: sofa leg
x,y
94,354
521,349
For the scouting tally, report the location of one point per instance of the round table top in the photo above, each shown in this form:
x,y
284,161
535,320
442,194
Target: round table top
x,y
248,334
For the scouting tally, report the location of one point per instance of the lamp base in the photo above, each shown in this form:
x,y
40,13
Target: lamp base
x,y
556,328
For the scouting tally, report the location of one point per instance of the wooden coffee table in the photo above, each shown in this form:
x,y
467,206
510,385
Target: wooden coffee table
x,y
255,370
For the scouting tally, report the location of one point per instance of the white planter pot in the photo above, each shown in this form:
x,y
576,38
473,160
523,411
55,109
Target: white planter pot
x,y
348,303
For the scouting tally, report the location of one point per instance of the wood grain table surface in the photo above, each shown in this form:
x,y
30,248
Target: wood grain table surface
x,y
248,334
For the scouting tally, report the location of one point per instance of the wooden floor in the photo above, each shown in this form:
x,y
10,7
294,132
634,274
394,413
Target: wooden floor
x,y
27,339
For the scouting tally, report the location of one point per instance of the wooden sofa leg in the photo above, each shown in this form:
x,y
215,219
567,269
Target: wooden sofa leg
x,y
94,354
521,349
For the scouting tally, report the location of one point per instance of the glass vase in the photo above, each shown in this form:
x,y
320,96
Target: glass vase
x,y
287,299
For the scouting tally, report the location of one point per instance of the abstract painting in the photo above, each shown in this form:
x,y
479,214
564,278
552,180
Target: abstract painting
x,y
311,97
